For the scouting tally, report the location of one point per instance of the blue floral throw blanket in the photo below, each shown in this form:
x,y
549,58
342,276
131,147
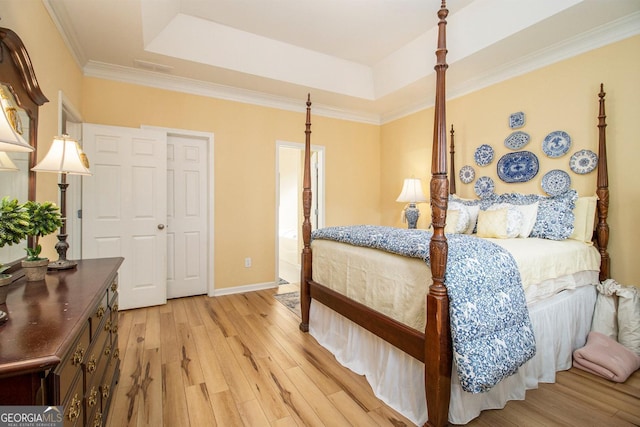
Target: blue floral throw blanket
x,y
490,326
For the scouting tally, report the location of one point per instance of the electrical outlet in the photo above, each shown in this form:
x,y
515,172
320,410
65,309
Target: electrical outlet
x,y
247,262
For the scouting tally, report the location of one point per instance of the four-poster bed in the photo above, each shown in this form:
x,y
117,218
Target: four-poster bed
x,y
428,341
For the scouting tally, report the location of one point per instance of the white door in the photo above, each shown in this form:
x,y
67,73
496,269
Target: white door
x,y
187,227
125,208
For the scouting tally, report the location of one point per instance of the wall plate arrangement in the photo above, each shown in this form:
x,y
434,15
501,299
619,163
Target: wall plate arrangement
x,y
520,166
483,155
583,161
467,174
517,140
556,144
484,187
556,182
516,120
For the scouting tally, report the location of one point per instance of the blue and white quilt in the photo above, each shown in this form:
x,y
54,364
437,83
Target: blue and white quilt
x,y
490,326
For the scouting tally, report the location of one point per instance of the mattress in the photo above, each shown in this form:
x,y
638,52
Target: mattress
x,y
397,286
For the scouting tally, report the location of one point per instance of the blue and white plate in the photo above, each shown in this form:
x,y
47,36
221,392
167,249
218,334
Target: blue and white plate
x,y
516,120
556,144
520,166
484,187
583,161
483,155
517,140
556,182
467,174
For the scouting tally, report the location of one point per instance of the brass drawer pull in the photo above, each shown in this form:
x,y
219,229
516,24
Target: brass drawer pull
x,y
92,364
100,311
93,397
74,408
78,355
107,350
105,391
116,353
115,308
114,286
114,329
107,326
97,421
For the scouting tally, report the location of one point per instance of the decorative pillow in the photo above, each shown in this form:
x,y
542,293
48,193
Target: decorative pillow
x,y
585,216
471,212
514,218
452,221
493,223
555,217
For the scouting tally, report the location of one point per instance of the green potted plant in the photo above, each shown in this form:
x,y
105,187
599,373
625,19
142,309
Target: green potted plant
x,y
14,224
44,218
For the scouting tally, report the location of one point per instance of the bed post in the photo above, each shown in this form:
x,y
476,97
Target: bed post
x,y
452,152
602,228
437,349
305,273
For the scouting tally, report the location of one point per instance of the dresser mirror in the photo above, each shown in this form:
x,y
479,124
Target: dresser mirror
x,y
19,89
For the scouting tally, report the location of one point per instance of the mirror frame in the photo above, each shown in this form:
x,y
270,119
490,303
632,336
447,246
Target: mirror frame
x,y
16,72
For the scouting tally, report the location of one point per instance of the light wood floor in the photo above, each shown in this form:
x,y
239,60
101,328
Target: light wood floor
x,y
240,360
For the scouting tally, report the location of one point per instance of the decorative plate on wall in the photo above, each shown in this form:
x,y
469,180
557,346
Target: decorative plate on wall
x,y
583,161
556,182
516,120
483,155
520,166
517,140
467,174
556,144
484,187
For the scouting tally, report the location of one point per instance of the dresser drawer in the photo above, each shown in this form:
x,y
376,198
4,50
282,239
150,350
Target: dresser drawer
x,y
73,407
98,315
94,362
70,368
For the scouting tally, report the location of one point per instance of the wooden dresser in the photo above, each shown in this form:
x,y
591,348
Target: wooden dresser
x,y
60,344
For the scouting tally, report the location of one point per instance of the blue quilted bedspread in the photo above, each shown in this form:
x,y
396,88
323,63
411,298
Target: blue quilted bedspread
x,y
490,326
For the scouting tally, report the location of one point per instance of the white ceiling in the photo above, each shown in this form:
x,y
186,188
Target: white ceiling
x,y
366,60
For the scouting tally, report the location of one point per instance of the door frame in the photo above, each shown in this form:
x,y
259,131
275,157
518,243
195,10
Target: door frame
x,y
210,193
320,192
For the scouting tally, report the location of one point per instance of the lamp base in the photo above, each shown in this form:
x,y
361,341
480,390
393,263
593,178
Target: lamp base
x,y
62,264
411,213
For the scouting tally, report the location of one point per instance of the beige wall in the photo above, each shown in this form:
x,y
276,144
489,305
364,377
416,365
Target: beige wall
x,y
562,96
244,171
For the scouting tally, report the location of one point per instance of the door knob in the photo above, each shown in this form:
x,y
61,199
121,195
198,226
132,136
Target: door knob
x,y
160,226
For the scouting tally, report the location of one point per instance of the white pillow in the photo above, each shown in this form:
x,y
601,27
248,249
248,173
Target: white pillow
x,y
514,218
472,213
585,217
457,221
493,223
529,215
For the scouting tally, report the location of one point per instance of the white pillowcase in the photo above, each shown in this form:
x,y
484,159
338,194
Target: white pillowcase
x,y
514,218
472,214
529,215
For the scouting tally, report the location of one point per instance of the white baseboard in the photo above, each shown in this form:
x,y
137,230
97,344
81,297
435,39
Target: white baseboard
x,y
243,289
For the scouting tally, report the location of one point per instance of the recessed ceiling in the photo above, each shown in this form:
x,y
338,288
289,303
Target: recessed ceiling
x,y
362,60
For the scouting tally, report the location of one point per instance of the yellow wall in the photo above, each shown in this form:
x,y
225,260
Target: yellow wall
x,y
244,171
562,96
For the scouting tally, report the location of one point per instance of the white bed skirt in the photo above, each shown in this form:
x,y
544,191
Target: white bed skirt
x,y
561,325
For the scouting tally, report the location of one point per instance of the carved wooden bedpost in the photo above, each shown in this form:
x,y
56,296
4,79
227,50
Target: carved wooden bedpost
x,y
602,228
437,333
305,273
452,169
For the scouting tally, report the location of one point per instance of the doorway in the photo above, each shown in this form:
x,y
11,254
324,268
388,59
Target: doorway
x,y
289,216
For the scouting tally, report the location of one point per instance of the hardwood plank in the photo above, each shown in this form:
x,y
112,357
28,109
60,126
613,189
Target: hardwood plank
x,y
169,338
174,408
351,411
152,334
211,369
216,310
199,406
150,389
225,410
252,414
189,360
193,314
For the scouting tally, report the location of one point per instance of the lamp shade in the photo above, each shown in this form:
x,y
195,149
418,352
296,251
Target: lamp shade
x,y
10,139
411,191
63,157
6,164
